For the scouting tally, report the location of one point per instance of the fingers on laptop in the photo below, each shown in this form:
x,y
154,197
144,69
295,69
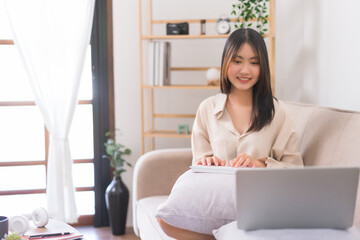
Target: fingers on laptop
x,y
209,161
244,160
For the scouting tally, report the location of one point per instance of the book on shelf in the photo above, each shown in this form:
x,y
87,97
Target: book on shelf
x,y
151,64
156,63
159,56
167,64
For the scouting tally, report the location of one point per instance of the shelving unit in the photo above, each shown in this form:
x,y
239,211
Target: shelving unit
x,y
149,91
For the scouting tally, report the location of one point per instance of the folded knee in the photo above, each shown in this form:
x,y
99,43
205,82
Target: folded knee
x,y
179,233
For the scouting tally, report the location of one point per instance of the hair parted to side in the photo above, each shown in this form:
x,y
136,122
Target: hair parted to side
x,y
263,106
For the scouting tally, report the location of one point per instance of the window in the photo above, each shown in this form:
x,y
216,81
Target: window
x,y
24,139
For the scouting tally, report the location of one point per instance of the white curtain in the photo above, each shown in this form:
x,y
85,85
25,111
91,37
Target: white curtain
x,y
52,37
317,52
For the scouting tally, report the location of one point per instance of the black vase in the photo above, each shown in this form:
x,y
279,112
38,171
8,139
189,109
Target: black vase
x,y
117,201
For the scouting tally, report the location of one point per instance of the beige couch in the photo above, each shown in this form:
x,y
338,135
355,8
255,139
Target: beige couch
x,y
328,137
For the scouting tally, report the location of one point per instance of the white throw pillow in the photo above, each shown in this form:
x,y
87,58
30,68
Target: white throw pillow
x,y
200,202
230,232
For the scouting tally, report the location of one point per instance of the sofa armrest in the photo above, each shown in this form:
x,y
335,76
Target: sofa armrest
x,y
156,172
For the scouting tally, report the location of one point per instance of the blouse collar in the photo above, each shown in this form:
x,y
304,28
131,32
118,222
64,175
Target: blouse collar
x,y
220,105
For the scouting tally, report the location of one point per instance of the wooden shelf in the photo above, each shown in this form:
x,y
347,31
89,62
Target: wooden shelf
x,y
213,20
149,37
182,87
166,134
162,115
193,68
184,36
6,42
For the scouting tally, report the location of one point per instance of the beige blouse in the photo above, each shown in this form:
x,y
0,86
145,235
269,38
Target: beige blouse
x,y
215,135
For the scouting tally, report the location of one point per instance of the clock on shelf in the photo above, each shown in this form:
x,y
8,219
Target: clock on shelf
x,y
223,25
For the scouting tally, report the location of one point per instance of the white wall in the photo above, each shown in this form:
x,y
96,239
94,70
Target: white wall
x,y
126,74
317,52
316,59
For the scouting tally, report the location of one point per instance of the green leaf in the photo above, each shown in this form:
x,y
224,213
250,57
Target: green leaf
x,y
127,151
265,30
119,145
129,164
249,25
242,25
112,164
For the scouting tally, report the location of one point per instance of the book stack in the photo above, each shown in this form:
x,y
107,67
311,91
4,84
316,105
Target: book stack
x,y
159,63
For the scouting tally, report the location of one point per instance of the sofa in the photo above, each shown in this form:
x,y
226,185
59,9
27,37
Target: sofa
x,y
327,137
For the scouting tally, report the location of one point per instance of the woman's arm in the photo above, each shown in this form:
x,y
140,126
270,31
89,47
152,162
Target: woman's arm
x,y
200,143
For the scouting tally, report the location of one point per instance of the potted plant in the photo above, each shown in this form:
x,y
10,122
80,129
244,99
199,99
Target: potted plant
x,y
117,194
248,10
12,236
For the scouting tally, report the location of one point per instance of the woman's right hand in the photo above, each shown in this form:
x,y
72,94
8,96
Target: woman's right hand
x,y
208,161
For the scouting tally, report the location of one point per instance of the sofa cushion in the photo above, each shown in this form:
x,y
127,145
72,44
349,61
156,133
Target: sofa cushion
x,y
200,202
230,232
147,223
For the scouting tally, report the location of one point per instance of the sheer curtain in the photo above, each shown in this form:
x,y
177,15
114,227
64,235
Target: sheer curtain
x,y
52,37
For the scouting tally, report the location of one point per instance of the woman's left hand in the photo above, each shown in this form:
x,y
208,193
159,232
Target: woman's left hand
x,y
244,160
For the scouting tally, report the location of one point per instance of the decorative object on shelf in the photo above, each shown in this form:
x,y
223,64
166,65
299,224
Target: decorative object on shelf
x,y
247,10
213,77
183,128
4,226
202,27
223,25
177,28
159,56
12,236
117,194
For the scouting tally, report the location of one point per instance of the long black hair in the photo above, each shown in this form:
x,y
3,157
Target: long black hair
x,y
263,109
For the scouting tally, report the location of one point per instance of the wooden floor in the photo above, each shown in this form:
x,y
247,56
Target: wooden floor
x,y
92,233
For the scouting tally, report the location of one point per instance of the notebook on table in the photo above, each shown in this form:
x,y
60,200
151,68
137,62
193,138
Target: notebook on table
x,y
310,197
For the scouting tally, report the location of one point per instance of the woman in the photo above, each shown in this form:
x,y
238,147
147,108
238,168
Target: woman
x,y
244,125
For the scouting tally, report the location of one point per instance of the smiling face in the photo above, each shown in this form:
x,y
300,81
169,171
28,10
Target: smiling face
x,y
244,69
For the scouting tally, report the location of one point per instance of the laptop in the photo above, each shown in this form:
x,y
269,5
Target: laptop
x,y
310,197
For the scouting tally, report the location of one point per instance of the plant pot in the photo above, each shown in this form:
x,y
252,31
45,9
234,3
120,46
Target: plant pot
x,y
117,201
